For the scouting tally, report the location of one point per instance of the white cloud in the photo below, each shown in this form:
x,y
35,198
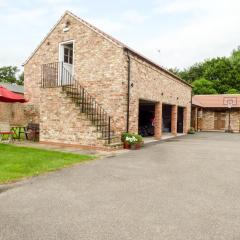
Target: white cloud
x,y
107,25
23,17
185,31
133,16
211,34
179,6
24,27
119,24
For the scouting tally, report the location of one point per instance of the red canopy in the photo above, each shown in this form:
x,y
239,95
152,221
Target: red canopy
x,y
8,96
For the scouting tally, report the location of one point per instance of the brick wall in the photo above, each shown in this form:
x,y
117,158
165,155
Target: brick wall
x,y
98,66
101,66
150,83
12,113
76,128
234,120
208,119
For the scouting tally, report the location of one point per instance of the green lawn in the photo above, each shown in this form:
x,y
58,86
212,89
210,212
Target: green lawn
x,y
21,162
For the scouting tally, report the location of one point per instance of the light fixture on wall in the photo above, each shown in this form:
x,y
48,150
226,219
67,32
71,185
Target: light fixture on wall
x,y
66,26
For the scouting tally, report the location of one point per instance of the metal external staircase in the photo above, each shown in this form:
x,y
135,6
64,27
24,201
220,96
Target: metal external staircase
x,y
55,75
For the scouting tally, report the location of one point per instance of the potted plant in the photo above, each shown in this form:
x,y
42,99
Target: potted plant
x,y
191,130
126,145
139,143
132,141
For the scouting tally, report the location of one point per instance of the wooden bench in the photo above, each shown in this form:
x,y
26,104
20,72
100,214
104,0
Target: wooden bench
x,y
5,130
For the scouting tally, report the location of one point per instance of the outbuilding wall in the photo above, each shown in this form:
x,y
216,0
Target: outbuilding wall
x,y
207,117
153,84
12,113
99,66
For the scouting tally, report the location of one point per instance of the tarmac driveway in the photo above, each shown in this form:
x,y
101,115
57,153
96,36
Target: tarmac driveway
x,y
184,189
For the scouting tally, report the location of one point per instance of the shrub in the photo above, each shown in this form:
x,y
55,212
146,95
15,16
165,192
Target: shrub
x,y
131,138
191,130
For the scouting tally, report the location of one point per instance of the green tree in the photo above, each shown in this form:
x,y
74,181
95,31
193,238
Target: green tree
x,y
232,91
175,71
194,72
21,79
203,86
235,56
222,72
8,74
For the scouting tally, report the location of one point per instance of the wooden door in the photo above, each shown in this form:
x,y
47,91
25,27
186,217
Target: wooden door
x,y
219,120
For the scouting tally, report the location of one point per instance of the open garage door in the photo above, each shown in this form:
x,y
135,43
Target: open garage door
x,y
146,118
180,120
166,118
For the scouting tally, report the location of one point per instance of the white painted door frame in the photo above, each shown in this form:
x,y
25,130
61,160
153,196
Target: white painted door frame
x,y
61,60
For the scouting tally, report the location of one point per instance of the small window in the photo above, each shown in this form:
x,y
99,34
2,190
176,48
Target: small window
x,y
65,59
68,54
66,51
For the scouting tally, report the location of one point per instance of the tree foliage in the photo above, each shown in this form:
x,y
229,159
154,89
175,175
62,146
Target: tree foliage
x,y
216,75
9,74
21,79
203,86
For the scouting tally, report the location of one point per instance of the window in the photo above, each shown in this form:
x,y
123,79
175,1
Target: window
x,y
68,54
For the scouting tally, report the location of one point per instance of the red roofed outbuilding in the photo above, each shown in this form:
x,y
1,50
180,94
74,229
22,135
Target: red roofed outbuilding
x,y
216,112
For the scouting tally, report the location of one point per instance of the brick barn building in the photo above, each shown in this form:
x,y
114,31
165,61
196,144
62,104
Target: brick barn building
x,y
216,112
88,88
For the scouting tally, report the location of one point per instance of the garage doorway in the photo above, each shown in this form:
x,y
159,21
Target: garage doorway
x,y
180,119
146,118
166,118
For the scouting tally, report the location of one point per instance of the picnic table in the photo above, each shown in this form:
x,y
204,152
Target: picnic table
x,y
18,130
6,134
29,132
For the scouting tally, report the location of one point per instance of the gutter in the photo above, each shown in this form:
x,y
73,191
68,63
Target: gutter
x,y
156,65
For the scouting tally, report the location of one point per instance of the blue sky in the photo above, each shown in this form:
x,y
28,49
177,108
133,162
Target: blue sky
x,y
185,31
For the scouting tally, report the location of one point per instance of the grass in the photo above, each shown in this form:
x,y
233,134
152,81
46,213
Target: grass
x,y
21,162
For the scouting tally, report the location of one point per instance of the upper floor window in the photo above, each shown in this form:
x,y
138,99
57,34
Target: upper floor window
x,y
68,55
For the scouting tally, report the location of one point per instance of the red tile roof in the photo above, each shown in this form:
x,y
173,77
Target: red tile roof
x,y
216,101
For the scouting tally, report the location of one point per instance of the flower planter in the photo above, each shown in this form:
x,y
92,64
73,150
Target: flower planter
x,y
126,145
136,146
131,141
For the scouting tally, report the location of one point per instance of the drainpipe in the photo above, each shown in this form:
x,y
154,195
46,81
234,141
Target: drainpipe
x,y
128,90
191,110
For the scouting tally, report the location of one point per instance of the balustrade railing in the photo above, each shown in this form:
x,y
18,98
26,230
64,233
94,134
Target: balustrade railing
x,y
56,75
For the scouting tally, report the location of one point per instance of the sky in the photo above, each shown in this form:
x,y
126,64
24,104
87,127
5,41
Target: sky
x,y
173,33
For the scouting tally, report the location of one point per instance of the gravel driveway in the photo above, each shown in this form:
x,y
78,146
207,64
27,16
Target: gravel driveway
x,y
184,189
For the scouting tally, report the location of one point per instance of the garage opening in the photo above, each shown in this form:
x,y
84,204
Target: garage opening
x,y
180,120
146,118
166,118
